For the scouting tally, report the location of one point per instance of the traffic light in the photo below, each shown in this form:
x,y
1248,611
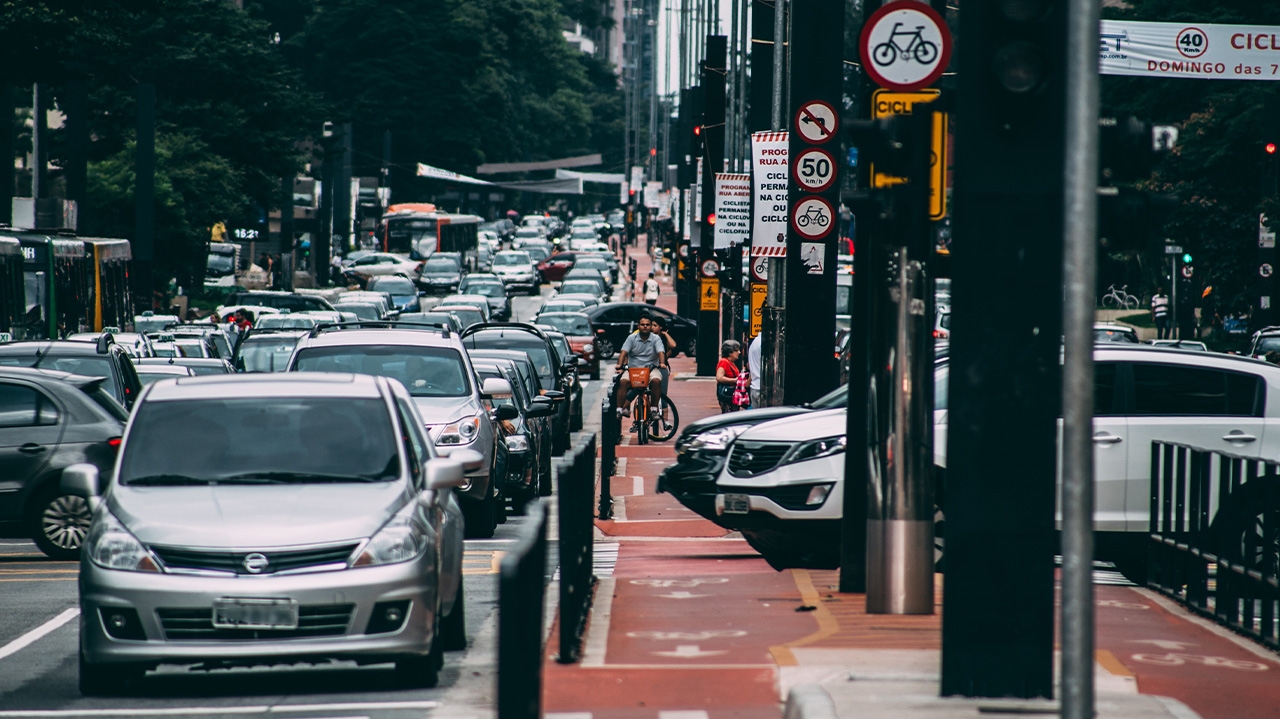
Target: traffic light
x,y
1186,258
897,149
1269,148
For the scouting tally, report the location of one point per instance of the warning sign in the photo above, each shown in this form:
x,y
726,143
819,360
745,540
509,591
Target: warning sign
x,y
710,293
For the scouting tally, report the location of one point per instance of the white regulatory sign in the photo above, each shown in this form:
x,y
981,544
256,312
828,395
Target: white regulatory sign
x,y
815,169
1265,269
760,268
905,45
817,122
813,217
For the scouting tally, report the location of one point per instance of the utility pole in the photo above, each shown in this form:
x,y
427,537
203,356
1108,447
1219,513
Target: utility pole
x,y
713,115
144,193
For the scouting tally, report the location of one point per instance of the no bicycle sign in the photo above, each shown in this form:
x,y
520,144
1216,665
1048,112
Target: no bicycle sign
x,y
905,45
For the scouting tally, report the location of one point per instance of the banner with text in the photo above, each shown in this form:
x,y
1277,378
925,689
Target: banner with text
x,y
1203,51
652,190
733,209
769,169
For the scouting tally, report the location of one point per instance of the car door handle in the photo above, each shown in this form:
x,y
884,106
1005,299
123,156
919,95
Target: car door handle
x,y
1107,438
1238,436
31,448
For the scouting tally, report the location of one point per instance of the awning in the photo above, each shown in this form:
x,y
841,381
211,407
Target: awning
x,y
604,178
436,173
569,186
494,168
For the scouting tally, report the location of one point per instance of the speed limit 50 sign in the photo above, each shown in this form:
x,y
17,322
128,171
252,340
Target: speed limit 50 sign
x,y
815,169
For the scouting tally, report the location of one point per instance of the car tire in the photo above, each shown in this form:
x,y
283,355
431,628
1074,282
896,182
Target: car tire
x,y
105,680
691,347
480,519
58,522
544,478
419,672
453,630
607,351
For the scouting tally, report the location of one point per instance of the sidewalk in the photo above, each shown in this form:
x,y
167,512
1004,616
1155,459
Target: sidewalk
x,y
693,624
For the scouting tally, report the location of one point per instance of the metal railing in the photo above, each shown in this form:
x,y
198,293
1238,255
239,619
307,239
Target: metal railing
x,y
610,434
575,487
1215,530
520,620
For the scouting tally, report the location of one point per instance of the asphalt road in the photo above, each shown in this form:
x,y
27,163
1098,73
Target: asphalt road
x,y
39,638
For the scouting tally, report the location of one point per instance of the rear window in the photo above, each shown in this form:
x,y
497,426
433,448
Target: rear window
x,y
225,438
441,264
396,286
1182,391
572,325
424,371
486,290
577,286
267,353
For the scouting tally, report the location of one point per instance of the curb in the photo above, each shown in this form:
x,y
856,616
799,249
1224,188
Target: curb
x,y
809,701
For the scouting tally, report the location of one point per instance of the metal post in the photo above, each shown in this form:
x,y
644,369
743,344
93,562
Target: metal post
x,y
1173,297
1080,199
779,64
143,245
8,142
37,148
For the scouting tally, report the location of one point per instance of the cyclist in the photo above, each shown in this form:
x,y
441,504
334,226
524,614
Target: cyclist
x,y
642,349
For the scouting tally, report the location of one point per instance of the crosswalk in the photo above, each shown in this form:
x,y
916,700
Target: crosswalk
x,y
604,557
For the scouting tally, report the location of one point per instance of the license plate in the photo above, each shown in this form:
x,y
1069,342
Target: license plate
x,y
737,504
255,613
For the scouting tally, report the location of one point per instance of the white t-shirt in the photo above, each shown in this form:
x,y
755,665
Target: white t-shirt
x,y
753,363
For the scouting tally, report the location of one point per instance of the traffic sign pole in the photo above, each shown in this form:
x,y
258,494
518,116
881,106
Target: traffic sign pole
x,y
713,113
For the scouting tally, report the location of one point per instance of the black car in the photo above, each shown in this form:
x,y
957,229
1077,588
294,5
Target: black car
x,y
516,416
544,427
703,447
441,273
102,358
553,373
51,420
279,300
613,321
572,373
496,293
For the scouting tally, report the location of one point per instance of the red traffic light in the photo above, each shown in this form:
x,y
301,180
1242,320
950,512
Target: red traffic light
x,y
1270,147
653,151
711,219
697,130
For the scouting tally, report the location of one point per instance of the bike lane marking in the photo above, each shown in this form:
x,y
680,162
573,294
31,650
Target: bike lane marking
x,y
1171,655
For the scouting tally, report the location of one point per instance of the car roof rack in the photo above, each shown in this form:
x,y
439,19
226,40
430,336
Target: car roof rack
x,y
380,324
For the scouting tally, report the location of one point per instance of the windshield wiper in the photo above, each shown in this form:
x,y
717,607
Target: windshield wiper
x,y
291,477
168,480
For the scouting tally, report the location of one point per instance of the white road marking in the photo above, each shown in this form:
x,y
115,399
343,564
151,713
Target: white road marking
x,y
637,485
568,715
689,651
683,714
34,635
253,709
1181,612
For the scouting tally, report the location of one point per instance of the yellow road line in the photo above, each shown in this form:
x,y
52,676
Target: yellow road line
x,y
1111,663
827,624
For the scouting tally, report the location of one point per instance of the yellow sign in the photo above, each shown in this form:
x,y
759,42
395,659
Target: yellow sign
x,y
710,293
885,103
758,292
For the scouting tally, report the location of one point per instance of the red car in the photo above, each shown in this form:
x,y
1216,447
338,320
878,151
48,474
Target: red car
x,y
576,328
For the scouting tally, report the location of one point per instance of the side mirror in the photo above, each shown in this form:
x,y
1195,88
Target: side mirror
x,y
505,412
444,473
554,394
470,459
80,480
541,409
494,386
569,362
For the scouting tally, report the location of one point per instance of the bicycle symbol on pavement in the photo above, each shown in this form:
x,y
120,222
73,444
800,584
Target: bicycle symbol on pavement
x,y
667,583
1176,659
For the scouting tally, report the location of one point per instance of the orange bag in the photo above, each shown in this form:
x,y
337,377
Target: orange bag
x,y
639,377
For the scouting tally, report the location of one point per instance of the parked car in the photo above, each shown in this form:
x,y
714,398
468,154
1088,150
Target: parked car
x,y
1103,332
438,375
351,540
516,270
551,368
50,420
615,320
580,334
103,358
441,273
404,294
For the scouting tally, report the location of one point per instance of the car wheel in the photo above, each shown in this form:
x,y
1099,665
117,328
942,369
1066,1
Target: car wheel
x,y
501,517
691,347
606,350
104,680
418,672
453,630
59,522
480,519
544,478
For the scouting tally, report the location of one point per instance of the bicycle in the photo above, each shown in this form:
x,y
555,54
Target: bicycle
x,y
1120,299
922,50
660,423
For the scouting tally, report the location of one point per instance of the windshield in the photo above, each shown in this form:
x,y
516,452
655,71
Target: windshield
x,y
396,286
403,234
538,254
251,441
844,299
486,290
267,354
424,371
574,325
148,375
510,259
220,264
153,324
578,286
593,263
1267,344
836,398
360,310
532,346
440,266
1122,336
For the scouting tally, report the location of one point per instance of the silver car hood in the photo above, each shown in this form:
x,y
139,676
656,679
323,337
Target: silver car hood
x,y
443,410
255,516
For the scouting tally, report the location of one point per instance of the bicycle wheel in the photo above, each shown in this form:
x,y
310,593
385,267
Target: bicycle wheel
x,y
666,421
926,52
1131,302
1111,302
884,54
642,421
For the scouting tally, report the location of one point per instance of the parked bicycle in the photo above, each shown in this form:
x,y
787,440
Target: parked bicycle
x,y
649,421
1120,299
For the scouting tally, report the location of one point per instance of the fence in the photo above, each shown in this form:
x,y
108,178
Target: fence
x,y
610,433
1215,528
576,483
520,617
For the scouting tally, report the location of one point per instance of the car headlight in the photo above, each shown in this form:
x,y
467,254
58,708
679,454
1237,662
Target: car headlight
x,y
588,347
111,546
518,443
814,449
716,440
464,431
401,540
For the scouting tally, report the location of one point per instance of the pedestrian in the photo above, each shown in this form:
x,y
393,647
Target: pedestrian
x,y
651,290
1160,313
335,270
754,367
727,375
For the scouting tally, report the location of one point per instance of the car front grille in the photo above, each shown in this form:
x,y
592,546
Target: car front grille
x,y
793,497
751,458
234,561
196,624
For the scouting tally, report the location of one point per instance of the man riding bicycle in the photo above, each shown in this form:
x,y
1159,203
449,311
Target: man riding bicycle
x,y
642,349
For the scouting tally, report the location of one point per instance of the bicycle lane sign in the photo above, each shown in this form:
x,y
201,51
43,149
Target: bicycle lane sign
x,y
813,217
905,45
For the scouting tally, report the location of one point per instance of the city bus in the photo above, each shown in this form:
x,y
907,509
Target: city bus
x,y
418,230
55,277
12,296
107,288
